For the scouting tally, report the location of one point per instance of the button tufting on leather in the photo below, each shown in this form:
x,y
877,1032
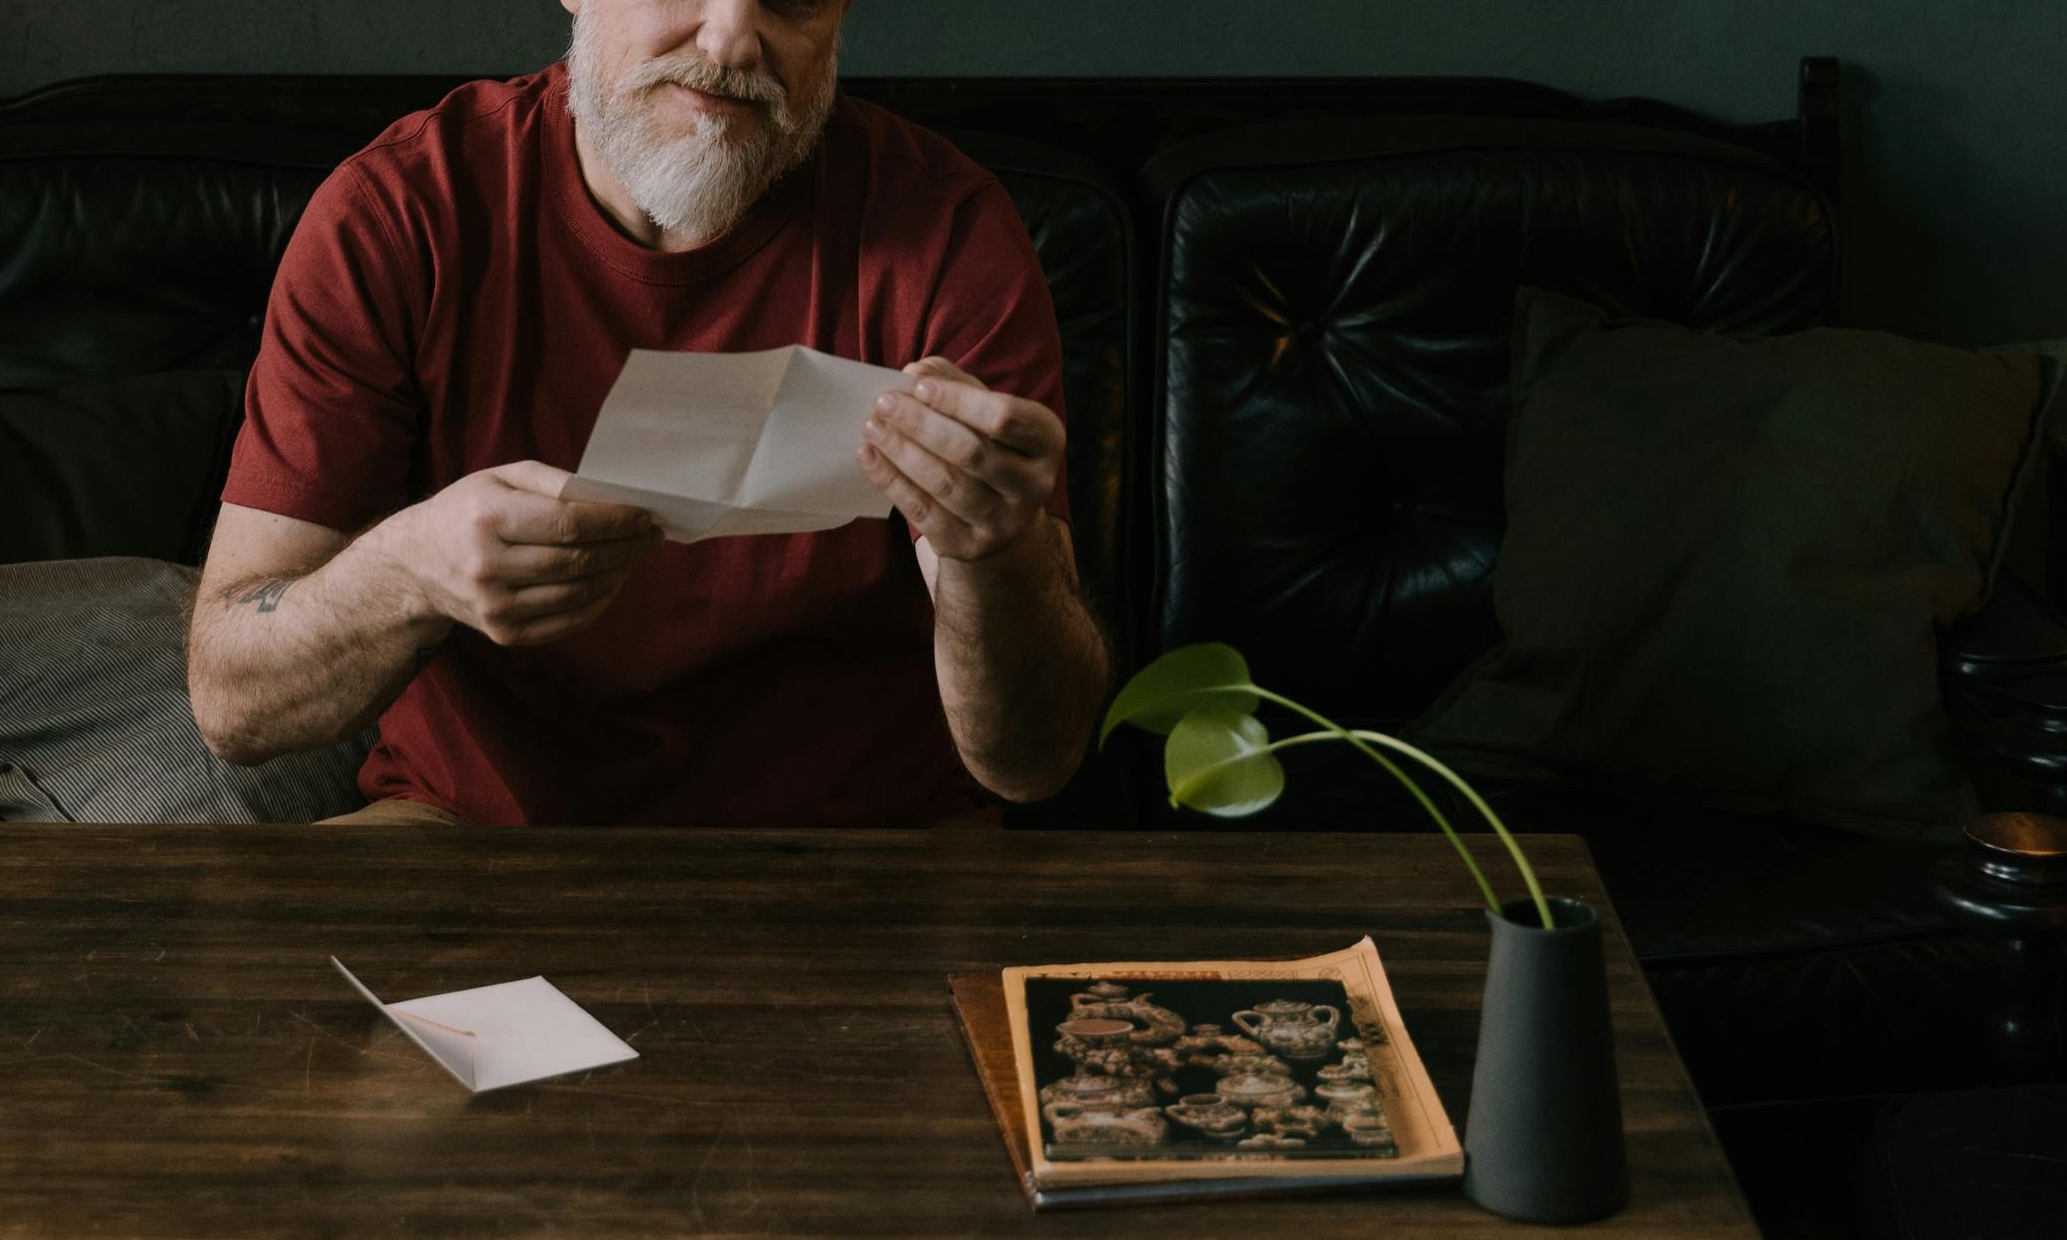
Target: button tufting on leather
x,y
1335,397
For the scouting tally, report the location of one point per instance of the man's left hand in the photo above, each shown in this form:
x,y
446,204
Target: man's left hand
x,y
970,468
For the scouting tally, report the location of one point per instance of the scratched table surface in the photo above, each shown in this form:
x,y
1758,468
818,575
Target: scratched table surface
x,y
178,1058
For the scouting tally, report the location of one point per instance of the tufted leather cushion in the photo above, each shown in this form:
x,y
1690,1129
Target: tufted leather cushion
x,y
138,248
141,248
1077,218
1333,385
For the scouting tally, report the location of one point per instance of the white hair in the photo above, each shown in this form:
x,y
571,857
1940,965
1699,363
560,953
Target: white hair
x,y
699,183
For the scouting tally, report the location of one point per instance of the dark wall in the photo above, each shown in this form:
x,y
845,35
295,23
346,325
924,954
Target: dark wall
x,y
1958,184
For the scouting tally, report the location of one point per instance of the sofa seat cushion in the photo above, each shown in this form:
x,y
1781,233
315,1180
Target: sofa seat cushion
x,y
121,466
1985,1163
95,725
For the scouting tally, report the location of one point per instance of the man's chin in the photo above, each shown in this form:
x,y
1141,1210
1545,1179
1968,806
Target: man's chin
x,y
674,114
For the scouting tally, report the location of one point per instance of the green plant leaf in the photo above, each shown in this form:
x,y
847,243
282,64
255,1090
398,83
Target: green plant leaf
x,y
1218,762
1209,675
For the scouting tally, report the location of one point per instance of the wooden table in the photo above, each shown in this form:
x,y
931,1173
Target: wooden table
x,y
177,1057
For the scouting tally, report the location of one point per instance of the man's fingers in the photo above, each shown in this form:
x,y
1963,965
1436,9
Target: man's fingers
x,y
522,516
921,509
1020,425
527,603
963,494
536,477
538,613
529,563
940,367
551,628
954,442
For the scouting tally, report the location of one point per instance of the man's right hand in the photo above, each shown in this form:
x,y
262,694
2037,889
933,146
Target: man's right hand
x,y
498,551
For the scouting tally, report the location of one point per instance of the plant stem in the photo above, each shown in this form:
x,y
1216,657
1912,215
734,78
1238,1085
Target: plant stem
x,y
1178,792
1342,733
1514,849
1357,742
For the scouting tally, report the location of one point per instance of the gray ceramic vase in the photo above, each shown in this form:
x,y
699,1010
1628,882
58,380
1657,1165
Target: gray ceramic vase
x,y
1543,1142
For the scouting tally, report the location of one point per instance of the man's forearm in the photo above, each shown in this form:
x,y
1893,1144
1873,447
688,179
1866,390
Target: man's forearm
x,y
1022,664
283,663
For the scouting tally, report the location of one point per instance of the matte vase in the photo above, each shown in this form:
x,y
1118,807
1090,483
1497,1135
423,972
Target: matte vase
x,y
1543,1142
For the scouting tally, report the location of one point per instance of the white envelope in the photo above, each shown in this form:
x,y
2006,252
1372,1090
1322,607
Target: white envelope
x,y
508,1034
714,444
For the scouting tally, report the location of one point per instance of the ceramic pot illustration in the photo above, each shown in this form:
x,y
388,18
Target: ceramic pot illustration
x,y
1371,1132
1260,1089
1302,1122
1346,1098
1247,1063
1099,1046
1148,1024
1298,1031
1221,1053
1115,1092
1210,1115
1351,1069
1105,1125
1100,992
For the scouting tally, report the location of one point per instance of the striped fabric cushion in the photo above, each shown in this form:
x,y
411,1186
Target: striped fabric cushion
x,y
94,720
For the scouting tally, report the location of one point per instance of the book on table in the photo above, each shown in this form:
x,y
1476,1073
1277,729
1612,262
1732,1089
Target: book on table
x,y
1130,1081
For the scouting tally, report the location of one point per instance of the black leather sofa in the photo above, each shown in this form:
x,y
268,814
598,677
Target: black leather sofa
x,y
1286,309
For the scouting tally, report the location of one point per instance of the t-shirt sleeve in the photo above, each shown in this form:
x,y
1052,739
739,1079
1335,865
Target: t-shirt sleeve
x,y
991,314
332,414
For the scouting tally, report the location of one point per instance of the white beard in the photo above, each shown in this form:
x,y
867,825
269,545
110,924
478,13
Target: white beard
x,y
697,184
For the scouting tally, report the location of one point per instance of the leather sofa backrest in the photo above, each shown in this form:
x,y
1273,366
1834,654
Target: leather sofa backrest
x,y
137,248
143,220
1077,215
1284,345
1325,448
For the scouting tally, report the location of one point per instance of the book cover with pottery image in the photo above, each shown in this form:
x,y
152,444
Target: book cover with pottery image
x,y
1257,1073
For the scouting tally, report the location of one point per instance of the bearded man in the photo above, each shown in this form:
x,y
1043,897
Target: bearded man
x,y
452,309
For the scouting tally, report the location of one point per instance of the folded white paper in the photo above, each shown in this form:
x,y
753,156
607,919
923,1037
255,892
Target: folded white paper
x,y
508,1034
713,444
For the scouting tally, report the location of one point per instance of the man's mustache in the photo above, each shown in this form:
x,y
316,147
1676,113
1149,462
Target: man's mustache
x,y
698,73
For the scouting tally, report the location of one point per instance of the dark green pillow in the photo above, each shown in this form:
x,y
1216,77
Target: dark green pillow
x,y
127,466
1728,561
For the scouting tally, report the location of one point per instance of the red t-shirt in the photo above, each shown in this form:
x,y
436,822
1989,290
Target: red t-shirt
x,y
453,299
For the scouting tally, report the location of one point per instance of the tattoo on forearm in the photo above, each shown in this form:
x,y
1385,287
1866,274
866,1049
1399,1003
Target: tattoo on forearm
x,y
266,594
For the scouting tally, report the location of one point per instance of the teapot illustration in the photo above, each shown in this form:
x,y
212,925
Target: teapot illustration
x,y
1260,1090
1110,1092
1210,1115
1292,1029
